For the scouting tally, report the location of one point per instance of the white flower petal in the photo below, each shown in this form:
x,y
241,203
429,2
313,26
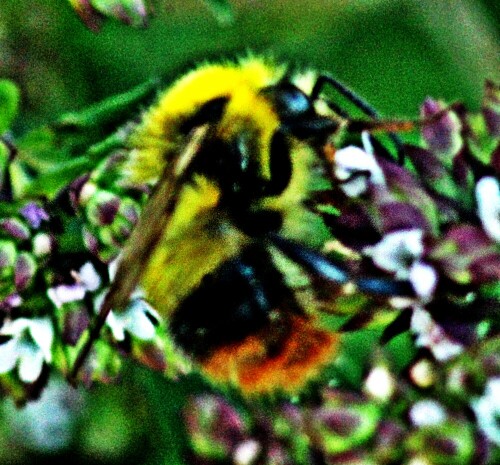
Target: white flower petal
x,y
113,319
427,413
421,321
423,278
89,277
15,327
98,301
488,204
42,332
246,452
493,391
367,143
112,267
137,323
116,326
351,160
446,349
66,293
431,335
487,410
380,383
8,355
30,366
397,251
355,187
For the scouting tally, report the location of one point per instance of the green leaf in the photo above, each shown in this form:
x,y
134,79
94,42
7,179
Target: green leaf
x,y
9,104
54,180
4,160
110,110
222,10
354,357
401,350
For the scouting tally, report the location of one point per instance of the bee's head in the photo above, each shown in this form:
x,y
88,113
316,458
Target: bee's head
x,y
237,162
298,115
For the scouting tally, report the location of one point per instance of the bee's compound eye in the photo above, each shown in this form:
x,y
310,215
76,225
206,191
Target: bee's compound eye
x,y
295,101
290,102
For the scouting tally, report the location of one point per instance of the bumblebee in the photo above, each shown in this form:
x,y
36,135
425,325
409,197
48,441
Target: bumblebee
x,y
225,249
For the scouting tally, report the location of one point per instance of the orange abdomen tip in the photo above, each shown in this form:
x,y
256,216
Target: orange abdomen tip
x,y
264,363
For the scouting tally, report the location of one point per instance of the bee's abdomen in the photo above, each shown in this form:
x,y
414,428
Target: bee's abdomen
x,y
242,297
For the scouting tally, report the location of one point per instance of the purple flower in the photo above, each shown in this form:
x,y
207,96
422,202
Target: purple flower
x,y
34,214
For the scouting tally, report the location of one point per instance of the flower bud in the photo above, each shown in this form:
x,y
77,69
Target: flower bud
x,y
8,254
491,108
131,12
343,422
34,214
102,208
43,244
449,443
15,229
356,457
215,428
442,134
25,269
423,373
388,445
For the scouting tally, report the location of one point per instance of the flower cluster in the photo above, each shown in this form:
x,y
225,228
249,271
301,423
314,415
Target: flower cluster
x,y
433,223
133,12
109,210
53,281
421,418
24,246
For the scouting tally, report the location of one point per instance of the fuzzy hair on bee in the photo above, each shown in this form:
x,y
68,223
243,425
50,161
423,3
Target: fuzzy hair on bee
x,y
225,248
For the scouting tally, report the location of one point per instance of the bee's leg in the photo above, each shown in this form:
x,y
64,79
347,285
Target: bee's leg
x,y
343,90
358,102
315,127
323,267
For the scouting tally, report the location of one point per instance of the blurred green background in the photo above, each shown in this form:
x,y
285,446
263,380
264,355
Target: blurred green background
x,y
392,52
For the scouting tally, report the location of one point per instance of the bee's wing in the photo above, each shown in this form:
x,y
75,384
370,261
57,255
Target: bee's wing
x,y
144,239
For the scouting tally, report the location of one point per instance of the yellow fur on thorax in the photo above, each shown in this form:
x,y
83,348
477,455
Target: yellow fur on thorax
x,y
158,137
